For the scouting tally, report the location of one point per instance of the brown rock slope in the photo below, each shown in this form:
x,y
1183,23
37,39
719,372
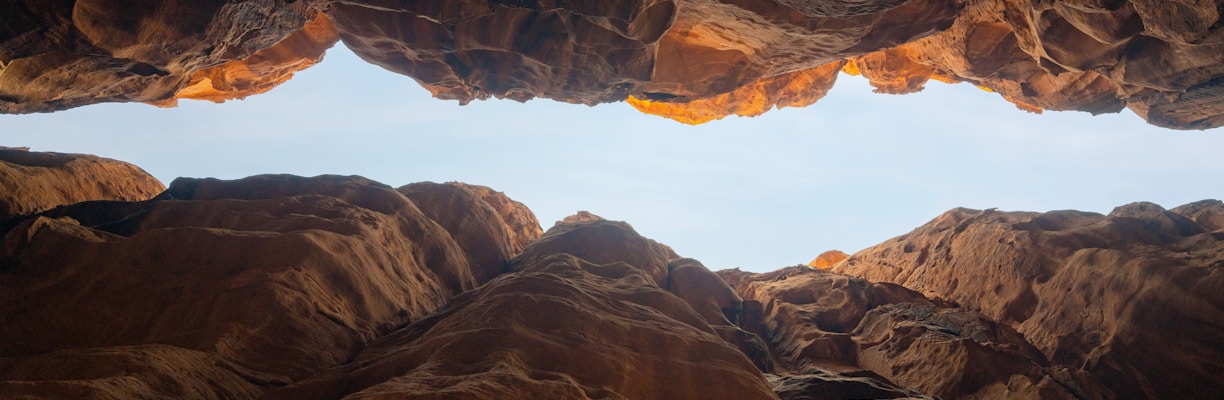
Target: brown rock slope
x,y
222,289
489,226
31,182
285,287
835,336
588,323
1132,298
342,286
692,60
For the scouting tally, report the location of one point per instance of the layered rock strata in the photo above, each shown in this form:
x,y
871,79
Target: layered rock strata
x,y
1132,298
692,60
227,288
284,287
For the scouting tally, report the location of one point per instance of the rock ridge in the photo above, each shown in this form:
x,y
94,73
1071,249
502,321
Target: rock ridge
x,y
288,287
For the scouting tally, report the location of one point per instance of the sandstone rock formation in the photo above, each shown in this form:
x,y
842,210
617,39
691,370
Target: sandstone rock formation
x,y
262,70
58,55
261,282
828,259
559,327
489,236
1132,298
230,289
846,333
284,287
39,181
691,60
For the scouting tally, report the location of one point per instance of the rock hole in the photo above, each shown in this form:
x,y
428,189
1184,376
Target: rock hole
x,y
658,96
143,69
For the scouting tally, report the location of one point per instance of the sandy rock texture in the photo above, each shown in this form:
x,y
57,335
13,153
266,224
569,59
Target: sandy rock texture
x,y
287,287
225,289
849,338
264,69
692,60
1131,298
560,326
62,54
278,286
32,182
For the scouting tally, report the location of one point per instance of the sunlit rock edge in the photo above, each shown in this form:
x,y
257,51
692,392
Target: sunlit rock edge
x,y
693,61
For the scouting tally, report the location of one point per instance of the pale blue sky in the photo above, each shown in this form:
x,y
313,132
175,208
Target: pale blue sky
x,y
851,171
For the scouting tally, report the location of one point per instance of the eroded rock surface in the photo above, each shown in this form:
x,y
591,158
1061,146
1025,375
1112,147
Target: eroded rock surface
x,y
64,54
691,60
277,285
835,334
559,327
264,281
1132,298
37,181
489,236
285,287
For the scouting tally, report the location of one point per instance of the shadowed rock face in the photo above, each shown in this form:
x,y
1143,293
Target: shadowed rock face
x,y
693,60
284,287
227,289
1131,297
62,54
558,327
489,226
275,277
847,337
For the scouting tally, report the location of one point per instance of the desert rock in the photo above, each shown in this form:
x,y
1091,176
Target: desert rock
x,y
286,287
828,259
39,181
1092,291
488,240
61,55
559,327
692,60
838,333
275,277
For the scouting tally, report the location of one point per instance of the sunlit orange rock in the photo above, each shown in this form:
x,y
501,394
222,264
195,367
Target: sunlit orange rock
x,y
716,47
55,56
798,89
263,70
692,60
894,71
828,259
